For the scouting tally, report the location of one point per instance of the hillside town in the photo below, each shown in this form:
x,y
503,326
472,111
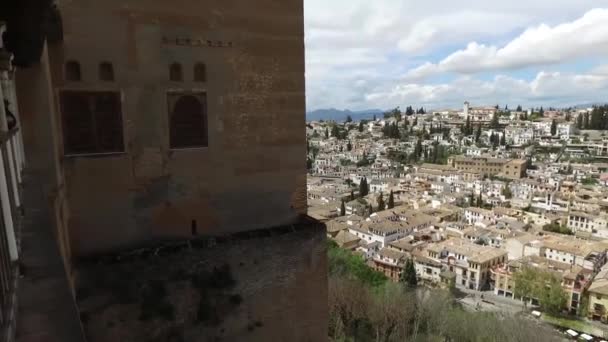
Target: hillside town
x,y
487,200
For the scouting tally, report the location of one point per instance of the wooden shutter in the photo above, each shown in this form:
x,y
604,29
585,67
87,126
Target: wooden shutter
x,y
92,122
78,132
108,122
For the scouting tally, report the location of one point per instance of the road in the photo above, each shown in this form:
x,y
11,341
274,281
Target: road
x,y
490,302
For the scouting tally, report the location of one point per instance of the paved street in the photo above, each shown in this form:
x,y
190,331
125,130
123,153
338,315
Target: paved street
x,y
490,302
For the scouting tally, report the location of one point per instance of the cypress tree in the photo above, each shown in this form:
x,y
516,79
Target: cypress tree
x,y
381,205
478,133
326,133
391,200
363,187
553,127
494,123
408,275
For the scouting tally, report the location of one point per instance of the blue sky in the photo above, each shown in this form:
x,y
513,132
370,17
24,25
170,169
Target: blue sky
x,y
439,53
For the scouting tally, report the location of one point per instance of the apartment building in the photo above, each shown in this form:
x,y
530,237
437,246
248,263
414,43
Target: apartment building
x,y
597,225
391,225
586,254
471,263
598,297
428,270
574,279
508,168
474,215
389,262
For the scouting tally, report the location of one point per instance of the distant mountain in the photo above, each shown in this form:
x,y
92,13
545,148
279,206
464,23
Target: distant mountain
x,y
340,115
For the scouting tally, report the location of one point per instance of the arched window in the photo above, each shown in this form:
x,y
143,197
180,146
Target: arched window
x,y
72,71
106,71
175,72
200,72
188,120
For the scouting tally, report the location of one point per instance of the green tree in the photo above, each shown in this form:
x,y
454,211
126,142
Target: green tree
x,y
557,228
545,286
507,192
494,123
503,140
519,109
418,149
480,201
349,119
408,276
374,117
335,131
326,133
579,121
468,130
478,133
352,195
589,181
381,205
391,200
363,187
495,140
309,163
553,127
541,112
361,126
524,284
342,209
349,146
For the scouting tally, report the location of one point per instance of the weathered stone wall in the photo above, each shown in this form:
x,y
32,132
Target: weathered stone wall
x,y
270,288
252,174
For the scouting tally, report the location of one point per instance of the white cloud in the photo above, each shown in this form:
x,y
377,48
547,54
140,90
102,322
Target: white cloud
x,y
379,41
550,88
453,27
540,45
